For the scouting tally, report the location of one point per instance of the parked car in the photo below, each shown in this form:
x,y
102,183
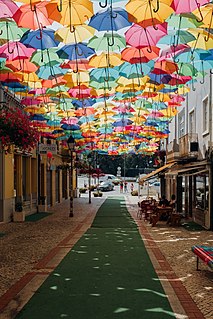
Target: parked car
x,y
105,186
109,177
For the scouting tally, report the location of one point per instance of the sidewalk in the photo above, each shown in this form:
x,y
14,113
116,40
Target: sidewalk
x,y
16,296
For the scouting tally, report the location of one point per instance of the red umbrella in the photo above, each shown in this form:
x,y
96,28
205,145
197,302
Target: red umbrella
x,y
80,92
34,16
140,37
134,55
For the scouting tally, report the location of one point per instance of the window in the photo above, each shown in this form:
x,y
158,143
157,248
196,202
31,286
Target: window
x,y
181,123
192,128
205,115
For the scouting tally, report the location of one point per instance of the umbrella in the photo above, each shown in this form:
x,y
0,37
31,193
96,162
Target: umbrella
x,y
80,33
72,12
142,55
102,43
34,18
122,123
185,6
183,21
75,51
176,37
84,103
51,83
39,39
110,19
23,65
15,50
136,70
148,12
10,31
104,74
165,66
205,13
105,60
48,71
204,40
7,9
40,57
140,37
82,64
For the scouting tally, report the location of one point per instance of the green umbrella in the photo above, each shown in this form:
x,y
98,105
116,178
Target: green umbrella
x,y
104,43
41,57
187,69
177,37
183,21
10,31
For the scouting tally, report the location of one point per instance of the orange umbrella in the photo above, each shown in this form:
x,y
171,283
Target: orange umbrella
x,y
23,65
165,66
53,82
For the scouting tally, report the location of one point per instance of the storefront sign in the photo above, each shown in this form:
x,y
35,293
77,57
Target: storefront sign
x,y
44,148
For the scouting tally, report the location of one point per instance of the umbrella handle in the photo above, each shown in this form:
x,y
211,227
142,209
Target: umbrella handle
x,y
72,28
158,7
113,41
103,5
1,32
60,7
8,48
201,15
32,7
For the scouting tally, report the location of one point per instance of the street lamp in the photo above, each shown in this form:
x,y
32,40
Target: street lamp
x,y
89,157
71,146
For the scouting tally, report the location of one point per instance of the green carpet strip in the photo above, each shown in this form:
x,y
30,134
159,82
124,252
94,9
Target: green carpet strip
x,y
36,217
107,275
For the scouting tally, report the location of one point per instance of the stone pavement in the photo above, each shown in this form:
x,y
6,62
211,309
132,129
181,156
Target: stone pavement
x,y
19,293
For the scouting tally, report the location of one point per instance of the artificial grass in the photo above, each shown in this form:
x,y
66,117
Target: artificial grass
x,y
36,217
107,275
2,234
192,226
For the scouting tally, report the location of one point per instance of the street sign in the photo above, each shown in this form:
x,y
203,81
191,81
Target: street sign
x,y
44,148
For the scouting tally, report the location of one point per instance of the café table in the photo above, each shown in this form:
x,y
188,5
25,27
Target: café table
x,y
160,212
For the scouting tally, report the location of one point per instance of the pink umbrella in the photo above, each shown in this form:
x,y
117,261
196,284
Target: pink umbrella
x,y
69,121
156,114
187,6
7,8
82,92
15,50
171,51
38,91
177,99
139,37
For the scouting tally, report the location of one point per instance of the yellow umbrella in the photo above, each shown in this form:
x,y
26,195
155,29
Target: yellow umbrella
x,y
150,12
29,77
204,40
105,60
80,34
76,78
103,105
105,114
72,12
169,112
207,15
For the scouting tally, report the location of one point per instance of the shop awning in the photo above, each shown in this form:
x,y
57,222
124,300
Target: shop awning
x,y
156,172
189,169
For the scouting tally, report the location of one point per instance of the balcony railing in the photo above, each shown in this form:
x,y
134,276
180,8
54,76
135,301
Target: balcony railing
x,y
172,152
188,145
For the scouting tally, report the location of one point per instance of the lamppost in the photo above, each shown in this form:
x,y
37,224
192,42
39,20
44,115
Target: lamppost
x,y
71,145
89,157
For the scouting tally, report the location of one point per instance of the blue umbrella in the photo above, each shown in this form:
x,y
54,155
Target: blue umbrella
x,y
37,117
39,39
75,51
101,74
48,71
72,127
110,19
156,78
131,71
83,103
122,123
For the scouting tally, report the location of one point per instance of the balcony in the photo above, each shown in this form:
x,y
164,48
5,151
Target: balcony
x,y
172,152
188,146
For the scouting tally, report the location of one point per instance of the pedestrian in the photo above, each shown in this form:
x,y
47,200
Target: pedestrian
x,y
125,187
132,187
121,187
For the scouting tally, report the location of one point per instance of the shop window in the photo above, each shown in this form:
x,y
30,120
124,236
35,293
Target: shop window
x,y
202,192
205,115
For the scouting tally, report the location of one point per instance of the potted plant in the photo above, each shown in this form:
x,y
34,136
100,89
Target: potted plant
x,y
82,190
19,214
98,194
